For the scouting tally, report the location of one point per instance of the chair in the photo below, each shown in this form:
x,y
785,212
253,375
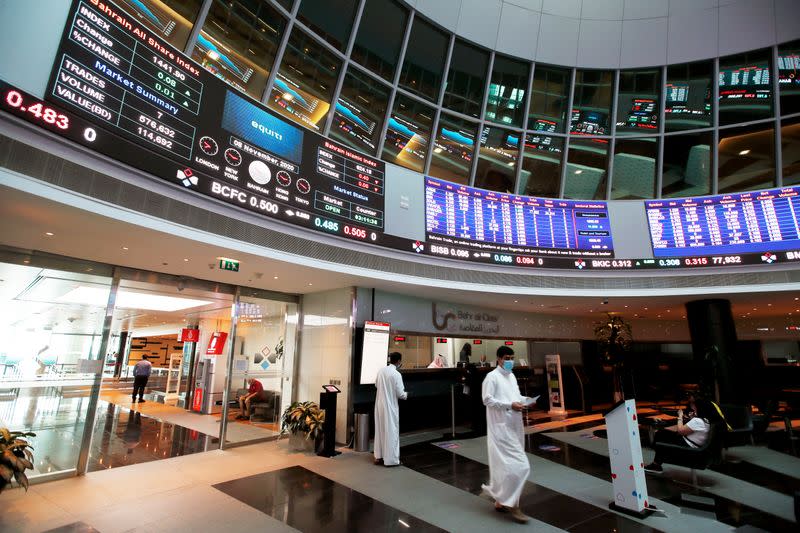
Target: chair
x,y
265,410
740,418
634,176
698,458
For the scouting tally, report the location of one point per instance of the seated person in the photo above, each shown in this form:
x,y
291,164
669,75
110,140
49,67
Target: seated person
x,y
483,361
254,392
692,429
438,362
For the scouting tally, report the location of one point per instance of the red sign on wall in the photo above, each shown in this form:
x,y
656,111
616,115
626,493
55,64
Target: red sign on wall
x,y
189,335
216,343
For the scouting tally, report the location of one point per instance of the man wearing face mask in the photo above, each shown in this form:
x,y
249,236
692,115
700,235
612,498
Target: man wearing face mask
x,y
508,464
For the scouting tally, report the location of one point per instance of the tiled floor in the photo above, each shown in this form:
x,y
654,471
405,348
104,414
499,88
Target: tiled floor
x,y
266,487
308,501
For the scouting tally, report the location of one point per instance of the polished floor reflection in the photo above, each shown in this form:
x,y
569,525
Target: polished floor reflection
x,y
311,503
556,509
124,437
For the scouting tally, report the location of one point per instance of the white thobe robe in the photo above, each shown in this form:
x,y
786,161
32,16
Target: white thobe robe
x,y
508,464
387,415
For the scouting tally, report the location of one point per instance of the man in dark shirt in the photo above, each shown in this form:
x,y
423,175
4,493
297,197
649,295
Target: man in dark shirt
x,y
141,373
254,392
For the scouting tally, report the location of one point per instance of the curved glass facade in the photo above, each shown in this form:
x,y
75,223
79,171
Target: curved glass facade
x,y
425,99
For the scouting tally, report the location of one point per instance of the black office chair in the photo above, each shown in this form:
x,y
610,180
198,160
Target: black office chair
x,y
740,419
698,458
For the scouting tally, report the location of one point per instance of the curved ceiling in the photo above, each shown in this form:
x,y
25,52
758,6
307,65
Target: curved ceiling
x,y
617,33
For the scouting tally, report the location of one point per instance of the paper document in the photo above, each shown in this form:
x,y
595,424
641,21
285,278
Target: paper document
x,y
529,401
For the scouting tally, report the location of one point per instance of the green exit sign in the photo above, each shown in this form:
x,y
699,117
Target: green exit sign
x,y
228,264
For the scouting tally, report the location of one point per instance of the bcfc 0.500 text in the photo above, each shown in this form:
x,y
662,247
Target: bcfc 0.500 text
x,y
232,193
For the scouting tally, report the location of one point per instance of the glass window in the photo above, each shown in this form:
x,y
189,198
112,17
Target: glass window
x,y
330,19
287,4
238,44
687,165
688,96
453,149
541,166
497,161
466,79
52,326
507,91
380,36
790,150
359,111
586,169
407,135
634,169
746,158
789,77
745,88
549,99
637,102
172,20
305,82
424,61
591,103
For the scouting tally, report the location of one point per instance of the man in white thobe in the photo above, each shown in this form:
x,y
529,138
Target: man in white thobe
x,y
508,463
387,413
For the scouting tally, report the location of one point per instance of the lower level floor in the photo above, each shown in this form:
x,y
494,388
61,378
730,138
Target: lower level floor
x,y
267,486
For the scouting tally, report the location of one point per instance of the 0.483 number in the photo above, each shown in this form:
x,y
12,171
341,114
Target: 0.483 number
x,y
40,111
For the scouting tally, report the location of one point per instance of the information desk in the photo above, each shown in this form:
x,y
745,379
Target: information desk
x,y
429,397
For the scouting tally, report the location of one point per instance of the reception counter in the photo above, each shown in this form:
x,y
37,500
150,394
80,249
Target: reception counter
x,y
431,392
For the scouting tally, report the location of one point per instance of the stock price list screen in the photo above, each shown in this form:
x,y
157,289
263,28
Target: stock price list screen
x,y
491,221
154,108
758,221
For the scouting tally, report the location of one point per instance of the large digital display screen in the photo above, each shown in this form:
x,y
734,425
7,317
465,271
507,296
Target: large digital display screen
x,y
789,69
487,221
759,221
141,92
117,89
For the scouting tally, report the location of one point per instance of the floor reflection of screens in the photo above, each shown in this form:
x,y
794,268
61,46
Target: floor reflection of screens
x,y
407,138
292,101
350,120
544,125
789,70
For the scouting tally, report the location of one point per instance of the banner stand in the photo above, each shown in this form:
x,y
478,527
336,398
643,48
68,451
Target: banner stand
x,y
627,465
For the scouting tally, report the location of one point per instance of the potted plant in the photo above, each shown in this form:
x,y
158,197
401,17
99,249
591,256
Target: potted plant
x,y
303,422
15,457
614,338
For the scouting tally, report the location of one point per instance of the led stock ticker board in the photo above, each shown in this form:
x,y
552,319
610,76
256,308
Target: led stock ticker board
x,y
203,135
120,91
466,222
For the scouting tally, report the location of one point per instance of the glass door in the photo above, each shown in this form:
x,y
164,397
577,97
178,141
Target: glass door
x,y
51,326
260,384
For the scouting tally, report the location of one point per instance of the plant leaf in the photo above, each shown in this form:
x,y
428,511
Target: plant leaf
x,y
22,479
13,461
28,454
6,473
6,435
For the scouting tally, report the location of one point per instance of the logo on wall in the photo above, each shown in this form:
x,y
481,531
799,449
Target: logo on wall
x,y
475,321
187,177
418,247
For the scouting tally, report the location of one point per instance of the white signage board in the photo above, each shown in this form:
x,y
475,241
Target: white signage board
x,y
625,453
374,351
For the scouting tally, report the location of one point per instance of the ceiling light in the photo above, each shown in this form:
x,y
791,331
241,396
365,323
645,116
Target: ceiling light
x,y
516,301
212,55
124,247
579,172
274,277
98,296
437,150
310,284
49,233
185,259
744,152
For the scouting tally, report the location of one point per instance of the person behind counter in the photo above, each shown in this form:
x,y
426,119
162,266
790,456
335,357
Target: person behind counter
x,y
438,362
387,413
466,351
508,463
